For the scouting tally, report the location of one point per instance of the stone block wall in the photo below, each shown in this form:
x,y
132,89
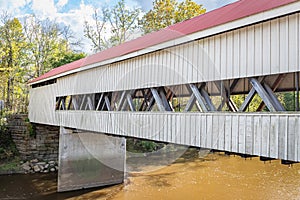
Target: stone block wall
x,y
34,141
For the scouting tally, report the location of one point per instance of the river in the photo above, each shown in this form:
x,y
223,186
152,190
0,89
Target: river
x,y
215,176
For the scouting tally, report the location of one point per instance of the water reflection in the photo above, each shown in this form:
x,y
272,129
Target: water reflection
x,y
214,177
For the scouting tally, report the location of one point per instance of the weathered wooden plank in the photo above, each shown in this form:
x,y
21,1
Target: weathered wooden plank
x,y
250,50
211,56
266,47
209,131
257,132
175,129
197,134
221,129
241,134
293,25
243,51
291,138
215,132
249,135
203,134
164,136
224,55
275,48
191,130
228,132
298,139
217,56
230,55
265,136
274,137
258,53
235,134
183,128
236,51
282,134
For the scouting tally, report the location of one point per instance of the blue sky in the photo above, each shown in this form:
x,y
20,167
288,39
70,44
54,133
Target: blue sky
x,y
73,13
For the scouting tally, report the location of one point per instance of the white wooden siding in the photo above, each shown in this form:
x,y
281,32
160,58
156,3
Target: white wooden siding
x,y
269,135
42,105
262,49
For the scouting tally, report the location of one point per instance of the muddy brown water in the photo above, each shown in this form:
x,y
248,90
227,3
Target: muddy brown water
x,y
215,177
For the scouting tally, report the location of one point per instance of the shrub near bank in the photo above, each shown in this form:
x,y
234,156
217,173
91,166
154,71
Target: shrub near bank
x,y
9,156
8,150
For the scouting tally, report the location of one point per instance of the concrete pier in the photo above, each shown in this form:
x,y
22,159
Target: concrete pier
x,y
88,159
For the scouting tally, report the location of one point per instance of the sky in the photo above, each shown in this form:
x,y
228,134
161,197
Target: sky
x,y
73,13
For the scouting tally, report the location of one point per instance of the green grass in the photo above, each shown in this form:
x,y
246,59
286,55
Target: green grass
x,y
12,165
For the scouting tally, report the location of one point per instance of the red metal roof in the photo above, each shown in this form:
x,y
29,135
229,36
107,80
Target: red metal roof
x,y
231,12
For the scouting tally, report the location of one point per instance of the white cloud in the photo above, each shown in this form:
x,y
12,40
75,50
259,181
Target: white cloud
x,y
13,5
75,19
62,3
45,8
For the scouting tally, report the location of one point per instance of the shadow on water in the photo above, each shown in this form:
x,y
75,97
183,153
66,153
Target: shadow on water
x,y
156,160
159,180
44,186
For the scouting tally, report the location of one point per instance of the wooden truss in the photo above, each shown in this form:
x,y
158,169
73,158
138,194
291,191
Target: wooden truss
x,y
198,97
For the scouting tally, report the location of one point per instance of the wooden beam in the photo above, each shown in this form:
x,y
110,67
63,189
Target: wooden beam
x,y
226,95
274,86
158,99
164,100
151,104
278,106
130,102
99,102
207,99
122,100
249,97
82,102
74,102
70,103
90,103
263,94
198,97
107,103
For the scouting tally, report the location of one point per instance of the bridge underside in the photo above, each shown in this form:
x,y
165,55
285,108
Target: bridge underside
x,y
248,115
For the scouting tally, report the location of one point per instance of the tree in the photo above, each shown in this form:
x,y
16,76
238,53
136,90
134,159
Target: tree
x,y
167,12
123,22
112,26
12,48
97,33
65,58
47,42
28,50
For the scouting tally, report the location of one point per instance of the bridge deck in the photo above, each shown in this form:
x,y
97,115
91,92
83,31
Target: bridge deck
x,y
275,135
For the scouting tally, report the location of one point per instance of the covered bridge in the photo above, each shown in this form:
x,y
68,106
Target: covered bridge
x,y
194,83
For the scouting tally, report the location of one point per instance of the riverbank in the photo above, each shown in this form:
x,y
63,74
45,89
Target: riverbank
x,y
11,166
17,166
